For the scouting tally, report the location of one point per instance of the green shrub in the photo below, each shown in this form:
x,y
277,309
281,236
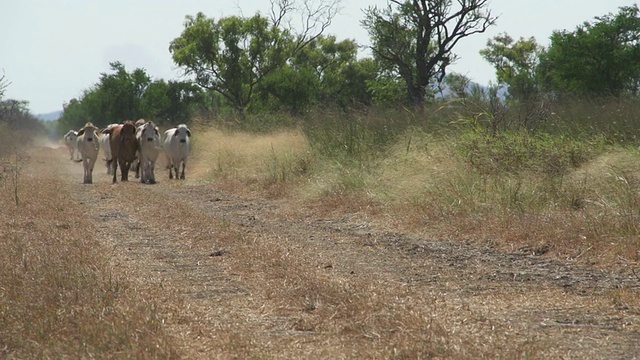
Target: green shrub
x,y
525,151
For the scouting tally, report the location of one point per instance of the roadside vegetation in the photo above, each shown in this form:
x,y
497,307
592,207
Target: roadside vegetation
x,y
571,195
544,162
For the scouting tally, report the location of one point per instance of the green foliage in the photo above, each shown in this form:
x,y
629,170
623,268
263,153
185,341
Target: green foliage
x,y
458,84
288,89
340,75
172,103
356,77
352,137
599,58
121,95
515,64
414,41
323,72
514,152
231,56
257,65
387,91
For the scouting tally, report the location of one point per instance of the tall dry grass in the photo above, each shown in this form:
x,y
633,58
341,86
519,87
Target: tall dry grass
x,y
272,163
59,297
570,193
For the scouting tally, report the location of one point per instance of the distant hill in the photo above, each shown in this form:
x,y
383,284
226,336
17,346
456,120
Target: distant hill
x,y
51,116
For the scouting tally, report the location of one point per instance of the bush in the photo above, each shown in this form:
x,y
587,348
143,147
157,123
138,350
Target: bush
x,y
525,151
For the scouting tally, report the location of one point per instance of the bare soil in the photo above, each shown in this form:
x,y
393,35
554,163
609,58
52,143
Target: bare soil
x,y
198,249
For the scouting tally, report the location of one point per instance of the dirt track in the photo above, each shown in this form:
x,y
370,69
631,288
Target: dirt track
x,y
177,236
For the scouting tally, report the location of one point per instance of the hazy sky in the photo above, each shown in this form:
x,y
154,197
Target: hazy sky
x,y
51,50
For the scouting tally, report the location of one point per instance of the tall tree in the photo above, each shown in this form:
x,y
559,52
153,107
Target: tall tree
x,y
598,58
326,71
516,63
115,97
121,95
233,55
173,102
415,40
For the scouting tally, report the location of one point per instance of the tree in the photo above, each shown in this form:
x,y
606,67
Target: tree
x,y
598,58
117,96
171,103
326,71
233,55
355,79
121,95
415,40
290,89
515,63
16,116
458,85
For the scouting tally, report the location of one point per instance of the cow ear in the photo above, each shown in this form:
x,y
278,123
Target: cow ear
x,y
80,132
189,133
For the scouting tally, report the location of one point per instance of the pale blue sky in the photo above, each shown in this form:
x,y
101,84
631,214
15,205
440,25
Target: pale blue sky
x,y
51,50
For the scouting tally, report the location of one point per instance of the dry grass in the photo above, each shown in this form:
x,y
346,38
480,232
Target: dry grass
x,y
304,302
420,184
59,297
266,163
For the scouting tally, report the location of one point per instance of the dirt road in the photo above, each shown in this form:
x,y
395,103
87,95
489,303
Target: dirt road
x,y
254,278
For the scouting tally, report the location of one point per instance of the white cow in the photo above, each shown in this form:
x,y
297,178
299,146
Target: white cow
x,y
176,148
70,141
105,144
88,146
149,146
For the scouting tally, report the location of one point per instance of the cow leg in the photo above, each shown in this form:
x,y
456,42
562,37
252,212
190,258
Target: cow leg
x,y
182,173
124,170
147,171
152,175
85,168
91,164
115,170
142,169
85,180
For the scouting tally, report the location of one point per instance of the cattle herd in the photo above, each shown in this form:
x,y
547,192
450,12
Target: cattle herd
x,y
132,146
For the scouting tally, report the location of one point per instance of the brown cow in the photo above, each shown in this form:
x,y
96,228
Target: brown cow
x,y
123,148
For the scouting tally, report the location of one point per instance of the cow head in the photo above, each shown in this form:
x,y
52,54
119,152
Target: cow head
x,y
71,135
89,131
182,133
149,132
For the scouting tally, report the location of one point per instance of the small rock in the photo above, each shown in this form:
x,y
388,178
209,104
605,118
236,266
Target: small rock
x,y
217,253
